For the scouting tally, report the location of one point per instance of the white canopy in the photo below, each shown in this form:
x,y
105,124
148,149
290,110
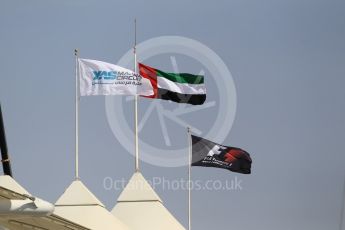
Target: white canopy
x,y
140,208
12,193
79,205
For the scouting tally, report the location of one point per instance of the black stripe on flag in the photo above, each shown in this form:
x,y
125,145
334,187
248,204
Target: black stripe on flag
x,y
194,99
206,153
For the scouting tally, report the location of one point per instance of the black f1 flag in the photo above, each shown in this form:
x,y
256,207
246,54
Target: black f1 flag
x,y
209,154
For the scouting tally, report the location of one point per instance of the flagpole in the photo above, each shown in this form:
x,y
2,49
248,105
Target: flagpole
x,y
76,117
189,175
136,101
341,224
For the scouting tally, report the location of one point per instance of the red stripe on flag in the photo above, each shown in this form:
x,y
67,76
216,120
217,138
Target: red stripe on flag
x,y
149,73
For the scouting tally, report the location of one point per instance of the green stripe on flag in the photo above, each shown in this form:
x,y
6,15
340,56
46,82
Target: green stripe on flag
x,y
181,77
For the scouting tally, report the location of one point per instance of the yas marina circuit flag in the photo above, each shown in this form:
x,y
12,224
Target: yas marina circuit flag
x,y
209,154
177,87
102,78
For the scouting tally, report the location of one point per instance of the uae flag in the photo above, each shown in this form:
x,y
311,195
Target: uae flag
x,y
177,87
209,154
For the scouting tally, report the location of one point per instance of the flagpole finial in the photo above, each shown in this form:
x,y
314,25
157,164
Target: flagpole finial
x,y
76,52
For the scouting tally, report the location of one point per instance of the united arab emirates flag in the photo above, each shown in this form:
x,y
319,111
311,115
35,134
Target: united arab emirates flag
x,y
177,87
209,154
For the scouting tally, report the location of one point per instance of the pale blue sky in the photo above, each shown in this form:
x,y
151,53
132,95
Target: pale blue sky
x,y
287,61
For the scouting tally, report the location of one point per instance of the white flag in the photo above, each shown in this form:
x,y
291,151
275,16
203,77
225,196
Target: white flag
x,y
101,78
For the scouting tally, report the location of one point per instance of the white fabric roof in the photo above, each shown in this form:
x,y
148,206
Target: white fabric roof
x,y
138,189
10,191
140,208
79,205
78,194
11,188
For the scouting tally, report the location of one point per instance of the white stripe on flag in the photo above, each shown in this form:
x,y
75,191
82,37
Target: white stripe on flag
x,y
183,88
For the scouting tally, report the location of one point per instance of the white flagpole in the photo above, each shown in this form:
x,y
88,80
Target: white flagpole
x,y
76,116
341,224
189,176
136,102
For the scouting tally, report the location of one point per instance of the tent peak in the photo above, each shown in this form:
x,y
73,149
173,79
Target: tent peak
x,y
138,189
78,194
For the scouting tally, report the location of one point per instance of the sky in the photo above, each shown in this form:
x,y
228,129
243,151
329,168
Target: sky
x,y
284,102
